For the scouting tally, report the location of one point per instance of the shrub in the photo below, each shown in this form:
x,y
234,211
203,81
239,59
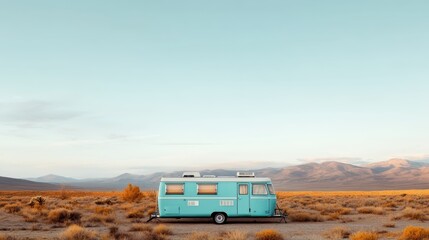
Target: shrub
x,y
301,216
389,225
7,237
414,214
371,210
103,210
58,215
98,218
152,236
75,232
414,233
198,236
269,234
364,236
141,228
38,201
327,209
12,208
61,215
64,194
132,193
162,229
337,233
108,201
136,213
234,235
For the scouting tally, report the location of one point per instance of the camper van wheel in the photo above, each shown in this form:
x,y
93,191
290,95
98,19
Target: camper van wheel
x,y
219,218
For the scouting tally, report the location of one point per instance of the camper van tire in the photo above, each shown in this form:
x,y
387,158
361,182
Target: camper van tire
x,y
219,217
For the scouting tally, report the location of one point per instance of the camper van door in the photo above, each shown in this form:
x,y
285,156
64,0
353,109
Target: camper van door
x,y
243,199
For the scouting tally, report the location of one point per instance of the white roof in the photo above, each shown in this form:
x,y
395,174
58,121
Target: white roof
x,y
217,179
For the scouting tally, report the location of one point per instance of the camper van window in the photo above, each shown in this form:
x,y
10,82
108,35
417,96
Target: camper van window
x,y
207,189
271,189
244,189
177,188
259,189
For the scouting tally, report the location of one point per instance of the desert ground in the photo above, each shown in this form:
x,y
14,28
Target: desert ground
x,y
122,215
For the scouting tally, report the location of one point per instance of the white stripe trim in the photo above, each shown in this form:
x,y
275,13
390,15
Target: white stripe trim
x,y
191,198
262,198
218,179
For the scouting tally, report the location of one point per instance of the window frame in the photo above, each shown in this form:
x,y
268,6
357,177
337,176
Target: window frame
x,y
271,190
260,184
247,188
198,188
183,188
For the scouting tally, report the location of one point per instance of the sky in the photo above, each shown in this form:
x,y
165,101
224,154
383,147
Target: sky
x,y
98,88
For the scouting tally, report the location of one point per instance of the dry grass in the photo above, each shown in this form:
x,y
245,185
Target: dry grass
x,y
234,235
269,234
13,208
141,227
414,214
75,232
137,213
132,193
302,216
6,237
162,229
62,215
103,210
389,225
364,236
337,233
414,233
371,210
198,236
106,209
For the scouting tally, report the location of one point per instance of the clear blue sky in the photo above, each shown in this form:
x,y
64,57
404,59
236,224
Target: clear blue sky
x,y
98,88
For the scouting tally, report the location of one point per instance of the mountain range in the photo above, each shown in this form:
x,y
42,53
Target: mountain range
x,y
386,175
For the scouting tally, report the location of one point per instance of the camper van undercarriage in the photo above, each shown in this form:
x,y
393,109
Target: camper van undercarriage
x,y
221,217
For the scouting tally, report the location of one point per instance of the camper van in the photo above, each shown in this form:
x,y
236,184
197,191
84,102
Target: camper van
x,y
219,198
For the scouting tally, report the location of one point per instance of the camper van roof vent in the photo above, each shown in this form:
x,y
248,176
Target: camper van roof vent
x,y
209,176
191,174
245,174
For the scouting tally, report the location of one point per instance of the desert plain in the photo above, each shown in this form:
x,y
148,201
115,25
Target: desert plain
x,y
399,214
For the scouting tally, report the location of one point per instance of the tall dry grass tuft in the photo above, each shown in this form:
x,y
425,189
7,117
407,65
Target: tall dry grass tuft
x,y
7,237
414,233
371,210
64,193
132,193
141,227
162,229
61,215
414,214
198,236
37,202
337,233
302,216
103,210
234,235
364,236
13,208
75,232
269,234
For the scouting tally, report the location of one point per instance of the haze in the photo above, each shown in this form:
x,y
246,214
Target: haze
x,y
98,88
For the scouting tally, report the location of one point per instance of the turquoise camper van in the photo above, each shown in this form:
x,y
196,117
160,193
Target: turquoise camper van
x,y
219,198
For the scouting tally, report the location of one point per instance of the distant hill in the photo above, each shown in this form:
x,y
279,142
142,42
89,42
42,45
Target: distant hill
x,y
51,178
20,184
391,174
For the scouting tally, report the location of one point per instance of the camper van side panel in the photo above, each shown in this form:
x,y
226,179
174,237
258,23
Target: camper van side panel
x,y
203,205
192,204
